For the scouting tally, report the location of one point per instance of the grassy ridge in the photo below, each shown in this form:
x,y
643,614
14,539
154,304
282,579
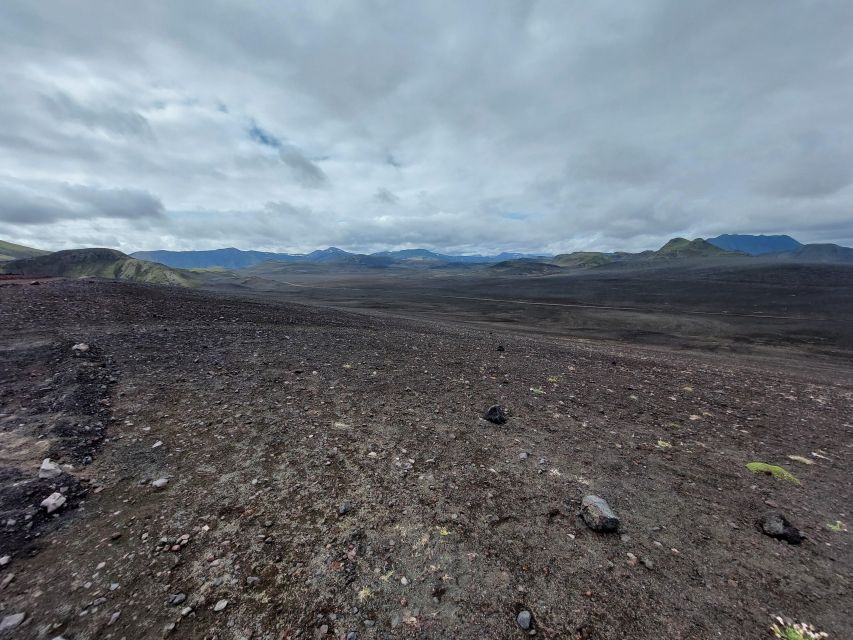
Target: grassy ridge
x,y
102,263
12,251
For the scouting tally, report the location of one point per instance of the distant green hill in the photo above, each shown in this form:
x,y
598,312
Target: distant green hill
x,y
684,248
102,263
675,249
524,267
11,251
582,259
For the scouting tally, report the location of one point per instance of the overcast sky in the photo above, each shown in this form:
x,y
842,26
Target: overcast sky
x,y
460,126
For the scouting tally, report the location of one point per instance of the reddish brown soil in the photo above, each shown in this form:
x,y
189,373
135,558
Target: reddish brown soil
x,y
271,416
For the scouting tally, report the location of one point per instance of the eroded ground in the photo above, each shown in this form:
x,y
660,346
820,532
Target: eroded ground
x,y
329,473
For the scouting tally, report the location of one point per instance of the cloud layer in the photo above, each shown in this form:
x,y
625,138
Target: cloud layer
x,y
475,126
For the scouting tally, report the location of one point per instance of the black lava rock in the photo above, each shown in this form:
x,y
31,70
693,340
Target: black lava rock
x,y
495,414
775,525
598,515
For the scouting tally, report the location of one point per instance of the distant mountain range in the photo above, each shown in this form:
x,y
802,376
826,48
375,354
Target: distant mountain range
x,y
755,245
675,249
232,258
240,268
778,246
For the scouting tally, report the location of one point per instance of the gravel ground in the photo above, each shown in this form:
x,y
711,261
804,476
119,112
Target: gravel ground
x,y
329,474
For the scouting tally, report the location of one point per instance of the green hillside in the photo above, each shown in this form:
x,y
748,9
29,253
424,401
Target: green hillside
x,y
524,267
684,248
102,263
12,251
582,259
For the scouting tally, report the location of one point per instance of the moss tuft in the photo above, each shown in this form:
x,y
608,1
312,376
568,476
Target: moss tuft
x,y
772,469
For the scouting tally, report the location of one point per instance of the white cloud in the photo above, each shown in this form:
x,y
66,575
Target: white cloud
x,y
460,126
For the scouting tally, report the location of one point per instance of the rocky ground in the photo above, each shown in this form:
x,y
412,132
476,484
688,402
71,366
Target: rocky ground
x,y
244,469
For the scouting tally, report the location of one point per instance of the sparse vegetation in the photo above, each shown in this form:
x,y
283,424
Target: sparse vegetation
x,y
783,630
774,470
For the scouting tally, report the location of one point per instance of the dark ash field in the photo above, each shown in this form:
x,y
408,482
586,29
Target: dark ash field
x,y
329,474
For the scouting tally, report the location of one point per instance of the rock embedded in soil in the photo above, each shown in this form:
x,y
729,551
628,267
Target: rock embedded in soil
x,y
82,347
598,515
219,606
495,414
11,621
49,469
160,483
345,508
524,619
53,502
775,525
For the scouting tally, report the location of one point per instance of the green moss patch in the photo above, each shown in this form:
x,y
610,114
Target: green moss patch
x,y
772,469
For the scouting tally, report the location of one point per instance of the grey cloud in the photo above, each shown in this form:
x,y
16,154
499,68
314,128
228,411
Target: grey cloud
x,y
127,204
385,196
121,122
48,203
22,207
304,170
308,173
263,137
807,167
616,162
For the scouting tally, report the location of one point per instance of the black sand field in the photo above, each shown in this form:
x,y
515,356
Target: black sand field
x,y
328,473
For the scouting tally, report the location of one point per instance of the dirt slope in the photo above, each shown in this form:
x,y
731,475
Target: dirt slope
x,y
329,474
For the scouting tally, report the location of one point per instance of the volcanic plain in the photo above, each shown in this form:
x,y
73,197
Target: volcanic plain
x,y
311,461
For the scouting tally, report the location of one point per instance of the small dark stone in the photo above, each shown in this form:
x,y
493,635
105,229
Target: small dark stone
x,y
177,599
345,508
598,515
775,525
501,347
495,414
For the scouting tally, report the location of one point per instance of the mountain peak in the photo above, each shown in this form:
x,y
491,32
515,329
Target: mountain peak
x,y
683,248
755,245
